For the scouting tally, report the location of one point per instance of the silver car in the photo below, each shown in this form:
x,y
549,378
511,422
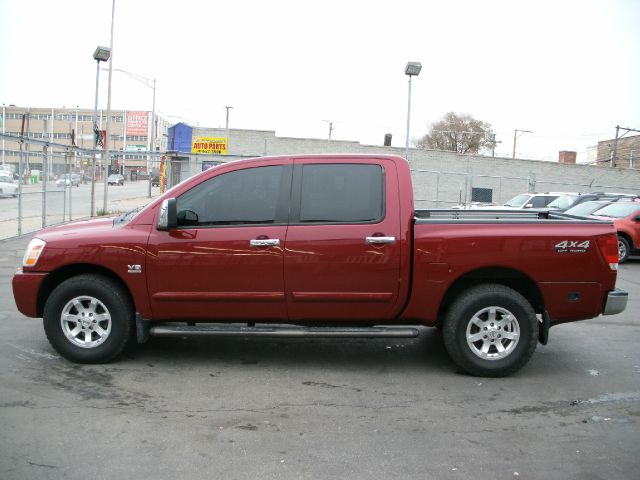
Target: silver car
x,y
68,179
8,186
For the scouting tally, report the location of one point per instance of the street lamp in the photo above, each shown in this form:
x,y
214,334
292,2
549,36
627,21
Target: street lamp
x,y
412,69
101,54
515,138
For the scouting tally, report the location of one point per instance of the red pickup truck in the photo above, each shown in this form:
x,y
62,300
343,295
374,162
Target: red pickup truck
x,y
314,245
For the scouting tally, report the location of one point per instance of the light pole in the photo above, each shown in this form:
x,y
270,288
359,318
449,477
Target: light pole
x,y
515,138
412,69
150,83
107,153
102,54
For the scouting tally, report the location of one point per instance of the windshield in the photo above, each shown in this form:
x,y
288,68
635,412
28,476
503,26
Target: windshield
x,y
518,200
587,208
619,210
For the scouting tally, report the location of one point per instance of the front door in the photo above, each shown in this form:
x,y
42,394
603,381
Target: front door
x,y
224,261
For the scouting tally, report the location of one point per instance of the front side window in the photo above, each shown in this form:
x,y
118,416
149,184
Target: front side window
x,y
342,193
240,197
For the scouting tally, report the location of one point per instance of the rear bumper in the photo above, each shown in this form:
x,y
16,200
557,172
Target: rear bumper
x,y
25,291
616,302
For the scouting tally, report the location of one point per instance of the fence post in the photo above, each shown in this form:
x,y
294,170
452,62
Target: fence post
x,y
532,182
44,172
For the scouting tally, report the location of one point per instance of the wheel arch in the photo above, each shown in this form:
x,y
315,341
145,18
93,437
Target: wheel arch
x,y
627,237
507,277
56,277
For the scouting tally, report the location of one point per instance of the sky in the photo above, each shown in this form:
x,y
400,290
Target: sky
x,y
566,70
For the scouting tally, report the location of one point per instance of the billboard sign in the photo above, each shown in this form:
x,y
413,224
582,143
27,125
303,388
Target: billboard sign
x,y
209,145
137,123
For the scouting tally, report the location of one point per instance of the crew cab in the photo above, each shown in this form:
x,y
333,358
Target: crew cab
x,y
317,245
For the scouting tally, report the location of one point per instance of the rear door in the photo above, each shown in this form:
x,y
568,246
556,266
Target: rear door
x,y
342,260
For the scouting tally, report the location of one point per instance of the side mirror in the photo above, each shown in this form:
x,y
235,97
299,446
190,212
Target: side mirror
x,y
168,215
529,205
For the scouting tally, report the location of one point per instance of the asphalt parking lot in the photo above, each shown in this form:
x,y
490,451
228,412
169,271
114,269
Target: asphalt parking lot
x,y
315,409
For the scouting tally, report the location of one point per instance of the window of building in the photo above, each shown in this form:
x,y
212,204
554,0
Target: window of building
x,y
341,193
632,159
241,197
483,195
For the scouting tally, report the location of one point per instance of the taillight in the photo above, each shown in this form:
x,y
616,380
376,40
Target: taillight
x,y
608,245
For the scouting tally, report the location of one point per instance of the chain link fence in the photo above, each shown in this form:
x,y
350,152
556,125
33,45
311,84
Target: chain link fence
x,y
45,183
443,189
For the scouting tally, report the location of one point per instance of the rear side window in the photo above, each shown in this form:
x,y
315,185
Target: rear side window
x,y
342,193
541,201
240,197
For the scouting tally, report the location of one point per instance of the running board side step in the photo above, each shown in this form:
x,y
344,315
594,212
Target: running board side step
x,y
281,331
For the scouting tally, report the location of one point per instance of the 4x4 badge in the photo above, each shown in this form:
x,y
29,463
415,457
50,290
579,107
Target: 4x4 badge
x,y
572,246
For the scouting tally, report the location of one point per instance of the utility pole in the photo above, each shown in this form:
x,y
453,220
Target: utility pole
x,y
330,122
227,122
493,144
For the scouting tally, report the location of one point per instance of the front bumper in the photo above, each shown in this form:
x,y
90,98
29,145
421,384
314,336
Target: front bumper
x,y
25,291
616,302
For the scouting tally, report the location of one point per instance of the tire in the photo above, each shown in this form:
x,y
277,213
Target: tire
x,y
624,249
89,319
490,331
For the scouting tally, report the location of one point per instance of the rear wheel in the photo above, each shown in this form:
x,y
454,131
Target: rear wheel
x,y
491,330
89,319
623,249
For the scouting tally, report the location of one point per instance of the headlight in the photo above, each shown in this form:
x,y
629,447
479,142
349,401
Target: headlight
x,y
34,249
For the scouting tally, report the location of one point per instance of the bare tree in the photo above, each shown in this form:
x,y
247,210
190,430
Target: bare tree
x,y
459,133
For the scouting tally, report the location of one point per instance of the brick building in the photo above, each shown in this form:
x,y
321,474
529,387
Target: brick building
x,y
628,150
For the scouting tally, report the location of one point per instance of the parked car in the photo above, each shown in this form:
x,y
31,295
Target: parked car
x,y
155,179
526,201
564,202
330,245
626,219
68,179
115,179
7,186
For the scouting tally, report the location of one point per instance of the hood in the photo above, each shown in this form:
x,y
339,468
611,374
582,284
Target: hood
x,y
77,229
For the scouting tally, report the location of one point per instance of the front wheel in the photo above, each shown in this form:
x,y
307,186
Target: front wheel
x,y
491,331
623,249
89,319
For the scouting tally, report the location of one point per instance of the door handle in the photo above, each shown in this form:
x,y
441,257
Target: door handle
x,y
379,240
266,242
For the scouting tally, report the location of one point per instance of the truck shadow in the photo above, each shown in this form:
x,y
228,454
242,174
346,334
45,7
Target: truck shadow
x,y
425,350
